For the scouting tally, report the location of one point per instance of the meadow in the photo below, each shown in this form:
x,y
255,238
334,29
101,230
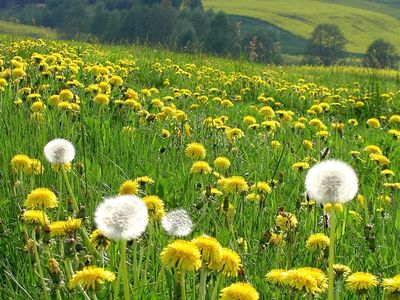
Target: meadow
x,y
361,22
217,149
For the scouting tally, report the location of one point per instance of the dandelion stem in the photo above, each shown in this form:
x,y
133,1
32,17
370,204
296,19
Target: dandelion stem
x,y
214,294
123,270
69,188
182,285
39,266
203,282
332,237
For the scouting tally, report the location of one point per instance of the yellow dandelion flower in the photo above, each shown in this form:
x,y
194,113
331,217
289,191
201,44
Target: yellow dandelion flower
x,y
361,282
394,119
210,249
308,144
35,217
341,270
300,166
286,221
276,276
320,277
374,149
41,198
65,95
90,278
235,184
129,187
234,133
222,163
328,207
249,120
143,180
61,228
276,240
21,162
195,150
262,187
200,167
155,207
98,240
380,159
229,264
301,280
116,80
392,285
182,255
317,241
101,99
275,144
239,291
57,167
374,123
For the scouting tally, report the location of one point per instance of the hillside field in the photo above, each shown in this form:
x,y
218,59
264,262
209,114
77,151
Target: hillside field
x,y
362,22
183,176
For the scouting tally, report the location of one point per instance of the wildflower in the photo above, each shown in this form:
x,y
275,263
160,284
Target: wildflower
x,y
165,133
328,207
143,180
317,241
392,285
36,167
57,167
21,162
394,119
65,95
35,217
129,187
177,222
262,187
276,276
249,120
275,144
301,280
380,159
38,106
373,149
116,80
195,151
394,133
239,291
341,270
200,167
361,282
98,240
374,123
122,217
235,184
62,228
320,277
392,185
101,99
41,198
222,163
210,249
286,221
331,181
155,207
276,239
182,255
253,197
308,144
59,151
234,133
322,134
300,166
90,277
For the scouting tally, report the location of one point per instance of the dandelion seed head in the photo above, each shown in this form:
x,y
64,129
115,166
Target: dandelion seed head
x,y
331,181
122,217
59,151
177,222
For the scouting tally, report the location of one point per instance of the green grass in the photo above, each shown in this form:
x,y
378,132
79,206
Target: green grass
x,y
26,30
107,155
360,24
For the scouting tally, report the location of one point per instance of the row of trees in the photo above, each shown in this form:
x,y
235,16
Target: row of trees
x,y
181,25
327,47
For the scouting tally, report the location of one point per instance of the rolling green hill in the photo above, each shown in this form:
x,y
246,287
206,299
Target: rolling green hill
x,y
361,21
26,30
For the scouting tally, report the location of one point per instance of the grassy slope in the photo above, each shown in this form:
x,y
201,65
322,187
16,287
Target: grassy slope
x,y
360,26
26,30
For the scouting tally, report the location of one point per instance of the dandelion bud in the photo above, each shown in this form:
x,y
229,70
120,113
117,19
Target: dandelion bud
x,y
54,271
46,234
81,213
69,246
29,246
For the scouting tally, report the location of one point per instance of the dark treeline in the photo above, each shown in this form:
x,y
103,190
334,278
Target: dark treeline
x,y
177,24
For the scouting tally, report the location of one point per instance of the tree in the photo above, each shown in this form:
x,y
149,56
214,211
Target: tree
x,y
381,54
220,38
327,44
